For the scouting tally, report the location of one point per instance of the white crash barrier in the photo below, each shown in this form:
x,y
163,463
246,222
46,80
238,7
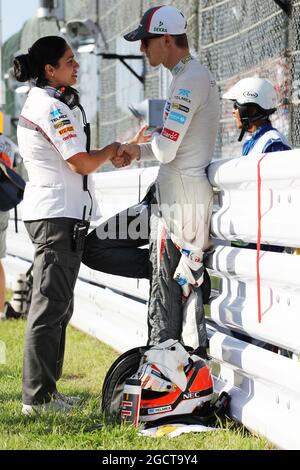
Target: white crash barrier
x,y
236,305
122,323
264,386
280,201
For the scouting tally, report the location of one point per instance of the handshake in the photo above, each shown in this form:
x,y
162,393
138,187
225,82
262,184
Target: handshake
x,y
125,154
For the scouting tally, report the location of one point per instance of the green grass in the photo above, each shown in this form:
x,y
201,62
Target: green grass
x,y
87,361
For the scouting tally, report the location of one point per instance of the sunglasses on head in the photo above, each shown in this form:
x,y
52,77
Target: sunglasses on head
x,y
145,41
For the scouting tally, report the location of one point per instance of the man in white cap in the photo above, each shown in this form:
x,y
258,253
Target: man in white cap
x,y
182,196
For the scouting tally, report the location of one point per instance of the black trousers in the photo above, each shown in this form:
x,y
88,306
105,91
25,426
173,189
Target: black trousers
x,y
55,271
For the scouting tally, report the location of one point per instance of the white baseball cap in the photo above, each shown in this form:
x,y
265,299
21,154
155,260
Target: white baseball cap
x,y
159,21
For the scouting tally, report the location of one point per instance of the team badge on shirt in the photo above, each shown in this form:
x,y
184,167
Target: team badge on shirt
x,y
182,98
180,107
54,120
62,123
177,117
169,134
66,130
184,93
70,136
167,110
56,113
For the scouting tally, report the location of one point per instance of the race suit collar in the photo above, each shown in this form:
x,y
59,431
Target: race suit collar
x,y
180,66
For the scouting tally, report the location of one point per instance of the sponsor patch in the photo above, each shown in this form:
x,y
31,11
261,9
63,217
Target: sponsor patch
x,y
250,94
177,117
64,116
180,107
167,110
155,373
181,280
184,93
162,409
66,130
56,113
160,28
168,106
71,136
60,124
169,134
182,98
186,252
186,60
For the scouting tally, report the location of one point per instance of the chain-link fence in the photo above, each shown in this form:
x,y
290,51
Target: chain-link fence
x,y
294,73
234,38
239,39
118,87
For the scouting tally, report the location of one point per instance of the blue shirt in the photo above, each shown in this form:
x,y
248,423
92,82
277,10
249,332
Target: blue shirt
x,y
271,146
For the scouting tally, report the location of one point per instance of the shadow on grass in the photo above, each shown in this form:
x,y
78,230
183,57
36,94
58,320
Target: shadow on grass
x,y
9,397
84,419
67,377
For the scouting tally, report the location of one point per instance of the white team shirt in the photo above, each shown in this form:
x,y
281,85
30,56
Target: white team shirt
x,y
48,135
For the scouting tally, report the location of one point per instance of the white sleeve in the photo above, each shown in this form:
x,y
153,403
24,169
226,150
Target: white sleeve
x,y
64,131
146,149
190,94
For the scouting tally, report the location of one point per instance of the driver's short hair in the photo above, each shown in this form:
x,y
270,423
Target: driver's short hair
x,y
181,41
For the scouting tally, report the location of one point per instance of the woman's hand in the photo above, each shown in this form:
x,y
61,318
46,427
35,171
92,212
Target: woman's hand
x,y
114,149
125,155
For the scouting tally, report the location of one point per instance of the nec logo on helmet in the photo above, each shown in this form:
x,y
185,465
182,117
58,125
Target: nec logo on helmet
x,y
250,94
192,395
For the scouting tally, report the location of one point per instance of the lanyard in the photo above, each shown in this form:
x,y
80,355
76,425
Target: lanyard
x,y
87,131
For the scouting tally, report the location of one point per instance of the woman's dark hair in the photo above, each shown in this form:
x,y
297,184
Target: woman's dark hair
x,y
47,50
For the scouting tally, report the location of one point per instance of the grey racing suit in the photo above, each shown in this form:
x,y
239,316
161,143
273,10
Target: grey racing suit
x,y
181,202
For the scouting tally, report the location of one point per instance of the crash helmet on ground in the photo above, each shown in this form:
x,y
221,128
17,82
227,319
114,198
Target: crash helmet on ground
x,y
162,398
